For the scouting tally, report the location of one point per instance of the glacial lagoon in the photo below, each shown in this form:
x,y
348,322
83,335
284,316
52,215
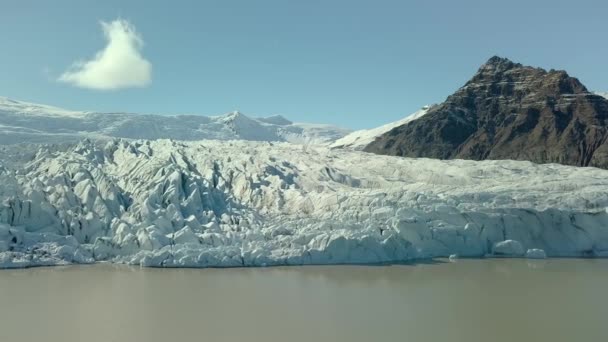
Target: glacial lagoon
x,y
467,300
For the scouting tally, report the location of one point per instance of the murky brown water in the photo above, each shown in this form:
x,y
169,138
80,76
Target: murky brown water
x,y
471,300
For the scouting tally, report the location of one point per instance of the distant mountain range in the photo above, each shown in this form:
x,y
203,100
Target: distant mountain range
x,y
34,123
175,203
509,111
506,111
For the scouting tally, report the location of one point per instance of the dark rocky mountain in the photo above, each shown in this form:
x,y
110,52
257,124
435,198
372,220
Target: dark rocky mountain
x,y
509,111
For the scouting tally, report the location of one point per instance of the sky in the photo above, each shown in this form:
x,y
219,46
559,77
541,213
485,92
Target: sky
x,y
356,64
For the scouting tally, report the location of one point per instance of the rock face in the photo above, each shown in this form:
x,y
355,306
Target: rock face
x,y
509,111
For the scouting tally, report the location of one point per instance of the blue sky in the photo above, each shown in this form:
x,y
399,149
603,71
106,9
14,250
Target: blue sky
x,y
348,62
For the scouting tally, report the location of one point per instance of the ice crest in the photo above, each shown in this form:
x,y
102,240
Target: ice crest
x,y
211,203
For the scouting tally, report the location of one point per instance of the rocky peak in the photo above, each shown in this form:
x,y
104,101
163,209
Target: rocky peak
x,y
509,111
501,80
498,64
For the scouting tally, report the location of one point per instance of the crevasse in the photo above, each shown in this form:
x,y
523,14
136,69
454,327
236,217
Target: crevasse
x,y
237,203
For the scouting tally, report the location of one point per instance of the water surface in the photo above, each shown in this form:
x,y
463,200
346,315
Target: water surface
x,y
471,300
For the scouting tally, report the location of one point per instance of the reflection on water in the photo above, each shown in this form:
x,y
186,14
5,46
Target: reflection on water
x,y
469,300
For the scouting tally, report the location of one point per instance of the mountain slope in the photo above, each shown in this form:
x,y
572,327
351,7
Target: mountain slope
x,y
32,123
509,111
241,203
358,140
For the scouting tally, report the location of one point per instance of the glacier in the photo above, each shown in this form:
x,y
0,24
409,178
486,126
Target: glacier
x,y
210,203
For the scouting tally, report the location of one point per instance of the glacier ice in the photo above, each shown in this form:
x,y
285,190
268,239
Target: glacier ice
x,y
210,203
536,253
508,248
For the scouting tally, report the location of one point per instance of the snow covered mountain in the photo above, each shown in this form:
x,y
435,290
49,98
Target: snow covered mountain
x,y
242,203
357,140
34,123
603,94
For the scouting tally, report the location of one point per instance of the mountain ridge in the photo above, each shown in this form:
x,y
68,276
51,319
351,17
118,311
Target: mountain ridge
x,y
509,111
357,140
36,123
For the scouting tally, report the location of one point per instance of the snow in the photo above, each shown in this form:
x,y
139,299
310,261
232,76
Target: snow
x,y
34,123
276,120
212,203
358,140
32,109
603,94
315,134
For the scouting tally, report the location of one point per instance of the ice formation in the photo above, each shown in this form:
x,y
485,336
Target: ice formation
x,y
241,203
35,123
535,253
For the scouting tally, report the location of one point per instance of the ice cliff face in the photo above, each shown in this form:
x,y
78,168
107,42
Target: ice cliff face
x,y
212,203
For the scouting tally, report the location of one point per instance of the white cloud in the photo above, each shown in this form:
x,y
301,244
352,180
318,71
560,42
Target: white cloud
x,y
119,65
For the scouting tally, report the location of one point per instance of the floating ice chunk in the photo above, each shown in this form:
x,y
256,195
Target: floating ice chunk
x,y
536,253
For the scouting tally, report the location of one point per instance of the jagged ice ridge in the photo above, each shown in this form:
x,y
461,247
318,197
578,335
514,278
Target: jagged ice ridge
x,y
238,203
